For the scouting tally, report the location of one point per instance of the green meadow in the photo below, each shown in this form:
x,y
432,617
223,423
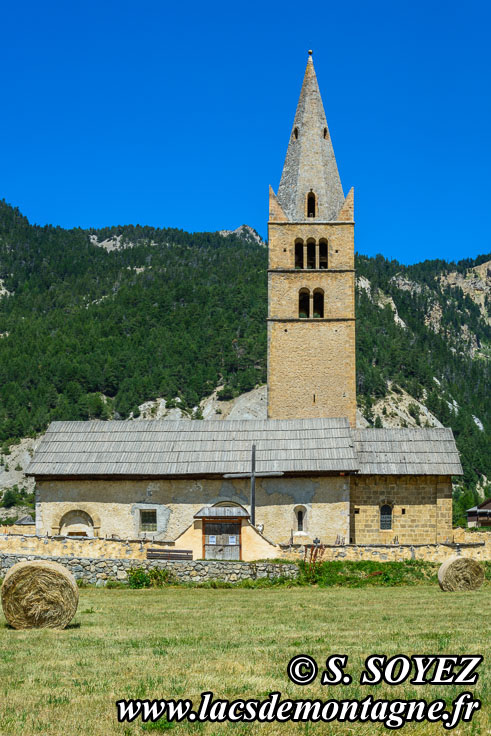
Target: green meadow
x,y
177,642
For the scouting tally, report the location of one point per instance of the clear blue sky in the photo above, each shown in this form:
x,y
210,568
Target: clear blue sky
x,y
177,114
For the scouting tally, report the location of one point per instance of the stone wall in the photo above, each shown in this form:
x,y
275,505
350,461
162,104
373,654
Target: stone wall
x,y
398,552
318,378
93,548
311,362
421,509
100,571
115,505
467,536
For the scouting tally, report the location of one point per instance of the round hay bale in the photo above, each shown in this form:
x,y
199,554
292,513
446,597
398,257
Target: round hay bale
x,y
460,573
39,594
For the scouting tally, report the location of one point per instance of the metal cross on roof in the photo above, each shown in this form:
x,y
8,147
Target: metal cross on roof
x,y
253,475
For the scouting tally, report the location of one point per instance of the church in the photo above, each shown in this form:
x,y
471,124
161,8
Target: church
x,y
245,489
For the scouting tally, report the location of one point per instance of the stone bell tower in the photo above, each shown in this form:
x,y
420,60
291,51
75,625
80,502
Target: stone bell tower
x,y
311,281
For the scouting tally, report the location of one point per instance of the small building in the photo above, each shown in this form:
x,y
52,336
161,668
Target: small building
x,y
318,475
480,515
26,520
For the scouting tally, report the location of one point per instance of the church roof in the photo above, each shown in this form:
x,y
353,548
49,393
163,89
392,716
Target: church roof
x,y
310,163
160,448
418,451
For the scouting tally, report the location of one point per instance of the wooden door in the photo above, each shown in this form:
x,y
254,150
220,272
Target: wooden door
x,y
221,540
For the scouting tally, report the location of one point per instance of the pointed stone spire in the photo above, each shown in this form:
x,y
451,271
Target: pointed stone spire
x,y
310,164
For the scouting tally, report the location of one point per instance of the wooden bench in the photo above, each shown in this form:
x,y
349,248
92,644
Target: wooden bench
x,y
169,554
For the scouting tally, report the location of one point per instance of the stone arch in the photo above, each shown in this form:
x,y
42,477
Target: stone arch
x,y
386,510
300,519
78,516
323,257
311,248
299,262
230,504
304,303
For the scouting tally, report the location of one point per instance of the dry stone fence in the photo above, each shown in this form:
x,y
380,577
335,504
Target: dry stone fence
x,y
99,571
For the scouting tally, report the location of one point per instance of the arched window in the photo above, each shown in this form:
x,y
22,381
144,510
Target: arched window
x,y
326,134
310,253
323,254
299,254
311,204
300,520
386,516
304,303
318,303
295,133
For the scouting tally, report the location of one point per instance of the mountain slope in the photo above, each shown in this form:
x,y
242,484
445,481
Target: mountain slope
x,y
96,323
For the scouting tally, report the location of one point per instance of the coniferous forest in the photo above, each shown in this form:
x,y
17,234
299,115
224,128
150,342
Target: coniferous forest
x,y
90,333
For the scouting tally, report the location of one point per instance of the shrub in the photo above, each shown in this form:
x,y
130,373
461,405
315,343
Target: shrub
x,y
10,498
138,577
160,577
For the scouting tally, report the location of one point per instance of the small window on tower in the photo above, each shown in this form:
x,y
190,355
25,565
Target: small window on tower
x,y
310,253
311,204
318,303
295,133
326,134
303,303
299,254
323,254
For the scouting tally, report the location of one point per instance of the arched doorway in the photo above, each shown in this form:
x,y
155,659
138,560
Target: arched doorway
x,y
76,523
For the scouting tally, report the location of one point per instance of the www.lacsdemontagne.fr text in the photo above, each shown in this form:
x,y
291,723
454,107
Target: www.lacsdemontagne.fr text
x,y
392,713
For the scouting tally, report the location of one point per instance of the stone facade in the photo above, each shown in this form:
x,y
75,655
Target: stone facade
x,y
98,572
421,509
333,508
116,504
311,361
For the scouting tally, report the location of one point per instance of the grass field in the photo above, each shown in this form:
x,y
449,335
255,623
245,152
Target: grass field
x,y
178,642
